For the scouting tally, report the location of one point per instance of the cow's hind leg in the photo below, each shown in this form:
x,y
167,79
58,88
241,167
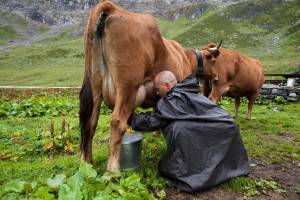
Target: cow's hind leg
x,y
251,104
90,100
237,103
124,105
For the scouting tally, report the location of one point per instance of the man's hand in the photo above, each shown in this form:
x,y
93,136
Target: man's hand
x,y
129,130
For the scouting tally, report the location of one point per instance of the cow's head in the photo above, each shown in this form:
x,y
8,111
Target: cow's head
x,y
209,54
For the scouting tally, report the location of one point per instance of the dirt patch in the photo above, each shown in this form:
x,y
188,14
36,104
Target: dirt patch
x,y
213,193
286,175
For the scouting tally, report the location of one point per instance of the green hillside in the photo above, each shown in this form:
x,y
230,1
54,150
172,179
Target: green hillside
x,y
267,31
255,28
9,26
15,27
54,63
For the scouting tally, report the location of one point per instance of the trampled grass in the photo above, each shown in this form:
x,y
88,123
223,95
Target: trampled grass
x,y
272,137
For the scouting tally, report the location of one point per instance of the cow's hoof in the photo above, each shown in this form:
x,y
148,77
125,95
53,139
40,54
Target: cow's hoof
x,y
87,159
113,165
82,157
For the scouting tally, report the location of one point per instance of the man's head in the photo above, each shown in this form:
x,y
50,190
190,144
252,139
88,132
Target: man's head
x,y
164,82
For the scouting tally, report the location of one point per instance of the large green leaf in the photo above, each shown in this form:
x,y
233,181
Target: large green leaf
x,y
102,197
87,170
44,193
76,181
72,190
15,186
132,180
65,192
56,181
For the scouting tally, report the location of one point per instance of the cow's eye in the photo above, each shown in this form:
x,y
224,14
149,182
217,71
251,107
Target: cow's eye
x,y
208,56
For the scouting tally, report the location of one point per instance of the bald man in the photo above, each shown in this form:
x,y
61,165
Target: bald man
x,y
204,143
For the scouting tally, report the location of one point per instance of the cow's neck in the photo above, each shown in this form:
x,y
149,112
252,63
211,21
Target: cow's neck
x,y
193,60
200,63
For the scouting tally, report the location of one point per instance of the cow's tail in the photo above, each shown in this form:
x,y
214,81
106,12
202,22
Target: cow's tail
x,y
86,109
95,28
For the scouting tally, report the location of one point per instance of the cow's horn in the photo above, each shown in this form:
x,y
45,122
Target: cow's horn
x,y
220,44
212,49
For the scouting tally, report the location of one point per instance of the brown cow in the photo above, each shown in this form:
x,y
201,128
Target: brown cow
x,y
123,53
235,75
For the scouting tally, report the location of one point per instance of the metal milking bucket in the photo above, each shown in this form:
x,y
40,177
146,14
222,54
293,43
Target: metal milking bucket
x,y
131,149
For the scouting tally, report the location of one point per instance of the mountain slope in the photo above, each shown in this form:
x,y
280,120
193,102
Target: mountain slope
x,y
268,31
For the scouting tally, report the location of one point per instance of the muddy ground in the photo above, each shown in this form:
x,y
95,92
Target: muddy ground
x,y
286,175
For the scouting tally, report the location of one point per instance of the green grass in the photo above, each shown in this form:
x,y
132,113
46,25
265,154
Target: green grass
x,y
10,30
13,18
271,137
280,17
42,29
170,29
64,36
55,64
7,33
216,27
250,187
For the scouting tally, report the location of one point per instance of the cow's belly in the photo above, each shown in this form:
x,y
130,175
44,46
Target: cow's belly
x,y
145,96
237,91
233,91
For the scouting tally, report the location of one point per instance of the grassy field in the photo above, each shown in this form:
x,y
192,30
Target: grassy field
x,y
33,167
58,60
51,64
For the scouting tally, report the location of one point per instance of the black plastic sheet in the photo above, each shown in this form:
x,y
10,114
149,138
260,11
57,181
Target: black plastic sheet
x,y
204,146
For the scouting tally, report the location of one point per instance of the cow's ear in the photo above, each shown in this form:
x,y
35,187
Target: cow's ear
x,y
212,55
215,53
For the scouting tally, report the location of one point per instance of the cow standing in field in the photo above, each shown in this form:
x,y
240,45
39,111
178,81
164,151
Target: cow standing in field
x,y
123,53
235,75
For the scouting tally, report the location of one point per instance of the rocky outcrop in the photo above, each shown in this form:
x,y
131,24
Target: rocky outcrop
x,y
188,11
60,12
52,12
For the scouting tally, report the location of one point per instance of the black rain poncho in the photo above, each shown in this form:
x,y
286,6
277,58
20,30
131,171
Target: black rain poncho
x,y
204,147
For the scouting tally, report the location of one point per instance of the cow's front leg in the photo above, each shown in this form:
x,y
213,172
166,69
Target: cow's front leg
x,y
124,106
217,92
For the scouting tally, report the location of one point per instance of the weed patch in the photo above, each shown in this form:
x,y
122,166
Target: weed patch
x,y
250,187
84,184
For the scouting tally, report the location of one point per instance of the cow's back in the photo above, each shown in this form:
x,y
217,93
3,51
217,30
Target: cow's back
x,y
252,71
132,37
